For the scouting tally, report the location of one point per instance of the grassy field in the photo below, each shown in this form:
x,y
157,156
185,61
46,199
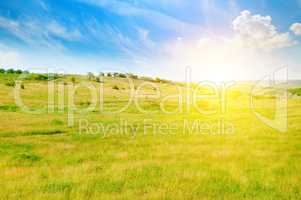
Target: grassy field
x,y
44,157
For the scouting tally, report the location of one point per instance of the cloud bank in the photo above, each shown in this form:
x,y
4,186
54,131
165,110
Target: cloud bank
x,y
296,29
258,31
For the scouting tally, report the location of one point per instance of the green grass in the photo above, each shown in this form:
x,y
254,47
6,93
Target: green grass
x,y
11,108
41,157
295,91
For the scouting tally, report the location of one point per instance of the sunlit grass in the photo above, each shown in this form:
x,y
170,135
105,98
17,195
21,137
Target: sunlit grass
x,y
41,157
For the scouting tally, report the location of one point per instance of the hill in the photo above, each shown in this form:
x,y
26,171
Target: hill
x,y
143,139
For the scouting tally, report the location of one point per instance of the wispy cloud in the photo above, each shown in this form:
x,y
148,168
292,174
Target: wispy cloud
x,y
39,33
43,5
160,19
60,31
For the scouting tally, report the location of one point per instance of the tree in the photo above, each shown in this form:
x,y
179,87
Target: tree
x,y
132,76
109,74
90,76
19,71
2,71
10,71
122,75
101,74
73,79
158,80
98,80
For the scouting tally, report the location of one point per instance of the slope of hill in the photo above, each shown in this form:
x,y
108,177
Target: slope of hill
x,y
78,138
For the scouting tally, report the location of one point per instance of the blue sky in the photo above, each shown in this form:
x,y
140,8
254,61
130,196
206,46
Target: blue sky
x,y
158,38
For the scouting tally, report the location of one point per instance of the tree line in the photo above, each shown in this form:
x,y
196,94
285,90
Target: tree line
x,y
13,71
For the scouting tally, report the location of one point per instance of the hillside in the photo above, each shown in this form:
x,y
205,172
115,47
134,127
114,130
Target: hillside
x,y
155,147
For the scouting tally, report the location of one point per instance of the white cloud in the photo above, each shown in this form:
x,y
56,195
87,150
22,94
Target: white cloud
x,y
244,55
33,32
296,28
43,5
158,18
259,32
60,31
144,37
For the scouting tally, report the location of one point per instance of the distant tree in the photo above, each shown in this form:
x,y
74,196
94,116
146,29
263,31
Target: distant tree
x,y
145,78
73,79
90,76
41,77
10,71
55,76
122,75
157,79
109,74
19,71
101,74
115,74
132,76
98,80
2,71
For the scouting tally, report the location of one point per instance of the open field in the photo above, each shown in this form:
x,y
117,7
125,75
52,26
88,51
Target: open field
x,y
131,156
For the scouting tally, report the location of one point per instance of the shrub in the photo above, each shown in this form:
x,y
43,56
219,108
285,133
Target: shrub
x,y
41,77
73,79
22,86
90,76
115,87
57,122
145,78
10,84
27,157
122,75
52,76
295,91
18,71
159,80
43,132
109,74
87,103
11,108
10,71
98,80
132,76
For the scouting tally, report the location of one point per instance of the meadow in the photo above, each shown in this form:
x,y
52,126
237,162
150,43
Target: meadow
x,y
144,152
